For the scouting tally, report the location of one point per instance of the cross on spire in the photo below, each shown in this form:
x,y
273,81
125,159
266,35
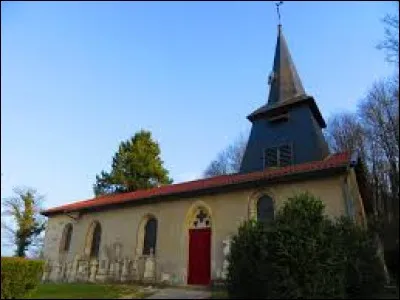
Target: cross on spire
x,y
277,10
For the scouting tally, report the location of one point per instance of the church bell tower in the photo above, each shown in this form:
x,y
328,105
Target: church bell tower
x,y
286,130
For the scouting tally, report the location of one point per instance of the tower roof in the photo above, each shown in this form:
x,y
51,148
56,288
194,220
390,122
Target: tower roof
x,y
284,80
286,88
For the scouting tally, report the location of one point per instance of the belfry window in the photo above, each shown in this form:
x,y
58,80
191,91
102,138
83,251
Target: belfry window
x,y
281,156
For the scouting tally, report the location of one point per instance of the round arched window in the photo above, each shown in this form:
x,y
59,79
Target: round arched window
x,y
150,236
265,209
66,238
96,237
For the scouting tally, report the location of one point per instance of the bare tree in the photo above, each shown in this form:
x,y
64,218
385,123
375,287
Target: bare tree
x,y
26,222
373,131
391,42
228,161
379,113
345,133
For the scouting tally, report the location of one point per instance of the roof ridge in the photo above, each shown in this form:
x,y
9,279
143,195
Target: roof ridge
x,y
332,160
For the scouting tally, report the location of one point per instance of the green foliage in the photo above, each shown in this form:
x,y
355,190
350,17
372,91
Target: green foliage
x,y
87,291
390,237
303,254
136,165
24,210
19,276
365,276
248,269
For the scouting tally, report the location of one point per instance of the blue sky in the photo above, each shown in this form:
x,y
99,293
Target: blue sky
x,y
77,78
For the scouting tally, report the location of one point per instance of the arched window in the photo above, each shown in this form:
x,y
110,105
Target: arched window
x,y
96,237
66,238
265,209
150,236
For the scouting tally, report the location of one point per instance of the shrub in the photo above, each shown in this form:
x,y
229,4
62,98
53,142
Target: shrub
x,y
303,254
365,275
392,262
247,270
19,276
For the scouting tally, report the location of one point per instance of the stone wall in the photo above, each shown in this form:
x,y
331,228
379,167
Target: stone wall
x,y
120,256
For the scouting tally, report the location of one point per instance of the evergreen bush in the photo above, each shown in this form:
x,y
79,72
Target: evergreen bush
x,y
303,254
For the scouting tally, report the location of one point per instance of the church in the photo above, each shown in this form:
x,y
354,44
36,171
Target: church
x,y
179,234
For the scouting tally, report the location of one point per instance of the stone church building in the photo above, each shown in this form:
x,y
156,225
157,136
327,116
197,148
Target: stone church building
x,y
180,233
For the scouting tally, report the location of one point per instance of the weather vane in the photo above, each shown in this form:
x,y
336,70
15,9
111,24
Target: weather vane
x,y
277,10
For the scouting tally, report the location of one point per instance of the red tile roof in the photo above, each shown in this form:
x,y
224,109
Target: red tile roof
x,y
332,161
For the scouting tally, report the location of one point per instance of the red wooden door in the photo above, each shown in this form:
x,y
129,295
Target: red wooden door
x,y
199,256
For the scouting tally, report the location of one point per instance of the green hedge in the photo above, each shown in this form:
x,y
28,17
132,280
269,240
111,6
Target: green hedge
x,y
19,276
303,254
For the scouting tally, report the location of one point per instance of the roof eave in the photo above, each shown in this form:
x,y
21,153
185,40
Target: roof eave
x,y
216,189
266,111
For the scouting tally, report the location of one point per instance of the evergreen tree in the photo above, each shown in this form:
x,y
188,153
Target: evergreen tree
x,y
136,165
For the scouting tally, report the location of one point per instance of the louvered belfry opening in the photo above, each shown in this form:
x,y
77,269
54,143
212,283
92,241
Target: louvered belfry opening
x,y
280,156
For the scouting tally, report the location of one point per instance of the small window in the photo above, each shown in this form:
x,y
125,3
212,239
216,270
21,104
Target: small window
x,y
278,156
265,209
94,249
202,219
150,236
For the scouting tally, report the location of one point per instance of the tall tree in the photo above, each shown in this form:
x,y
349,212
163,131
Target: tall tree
x,y
390,44
345,133
136,165
374,131
379,113
228,160
28,224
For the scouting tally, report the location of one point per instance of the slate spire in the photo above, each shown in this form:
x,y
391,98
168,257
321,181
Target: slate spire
x,y
285,83
287,129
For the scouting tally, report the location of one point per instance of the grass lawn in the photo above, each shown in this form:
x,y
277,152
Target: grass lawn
x,y
219,293
85,291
